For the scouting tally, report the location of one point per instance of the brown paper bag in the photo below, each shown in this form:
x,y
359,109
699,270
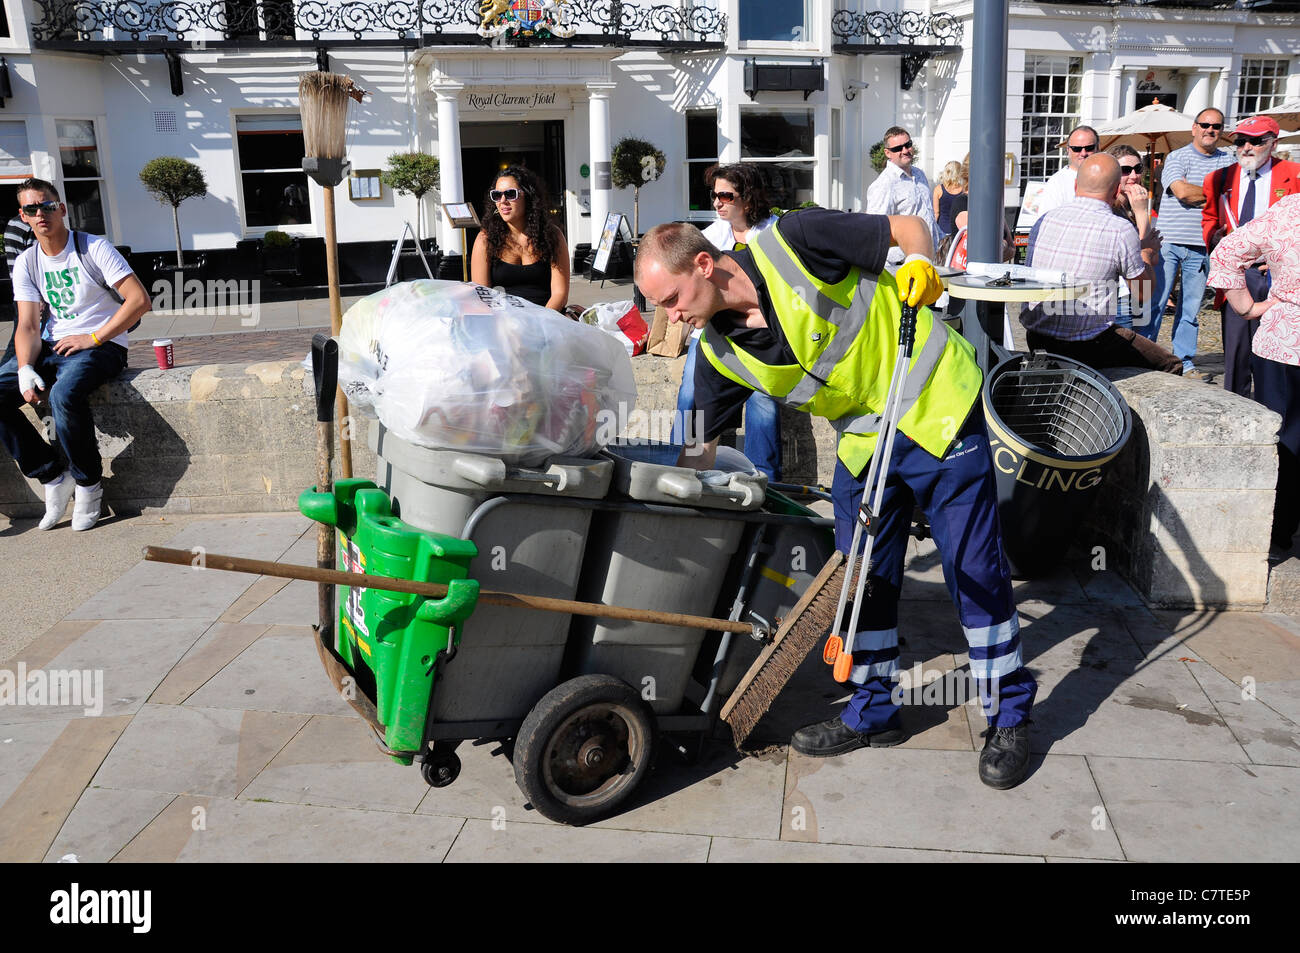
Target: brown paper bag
x,y
668,340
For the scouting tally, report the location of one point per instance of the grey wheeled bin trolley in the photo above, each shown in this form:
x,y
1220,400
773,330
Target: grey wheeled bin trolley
x,y
507,658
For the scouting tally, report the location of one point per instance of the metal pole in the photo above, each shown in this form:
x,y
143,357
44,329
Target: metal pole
x,y
988,122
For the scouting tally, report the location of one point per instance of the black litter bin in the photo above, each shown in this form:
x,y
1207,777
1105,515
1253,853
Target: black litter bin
x,y
1055,426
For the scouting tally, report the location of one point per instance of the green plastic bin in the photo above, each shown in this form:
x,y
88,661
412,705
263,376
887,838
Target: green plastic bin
x,y
390,640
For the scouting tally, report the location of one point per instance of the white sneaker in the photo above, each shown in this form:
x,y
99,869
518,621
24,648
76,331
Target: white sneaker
x,y
57,495
85,511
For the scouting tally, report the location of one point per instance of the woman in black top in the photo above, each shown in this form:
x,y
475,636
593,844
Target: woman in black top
x,y
520,250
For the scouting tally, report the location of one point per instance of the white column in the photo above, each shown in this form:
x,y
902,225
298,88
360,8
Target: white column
x,y
450,176
599,144
1198,92
853,149
1220,96
1115,95
1130,85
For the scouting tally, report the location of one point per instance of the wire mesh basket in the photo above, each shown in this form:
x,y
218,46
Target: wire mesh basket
x,y
1060,407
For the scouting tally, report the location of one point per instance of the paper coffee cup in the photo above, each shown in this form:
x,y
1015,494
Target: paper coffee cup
x,y
162,349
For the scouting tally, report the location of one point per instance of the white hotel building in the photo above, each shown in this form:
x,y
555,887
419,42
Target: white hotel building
x,y
96,88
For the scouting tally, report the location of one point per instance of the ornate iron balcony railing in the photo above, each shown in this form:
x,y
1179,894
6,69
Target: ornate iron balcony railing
x,y
877,27
60,22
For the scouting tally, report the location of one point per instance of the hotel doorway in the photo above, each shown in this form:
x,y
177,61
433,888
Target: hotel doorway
x,y
488,147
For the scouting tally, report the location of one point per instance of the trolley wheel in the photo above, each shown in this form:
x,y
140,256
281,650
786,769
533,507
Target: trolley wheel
x,y
440,768
584,748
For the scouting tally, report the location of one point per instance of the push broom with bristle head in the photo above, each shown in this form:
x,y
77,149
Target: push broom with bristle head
x,y
820,610
323,99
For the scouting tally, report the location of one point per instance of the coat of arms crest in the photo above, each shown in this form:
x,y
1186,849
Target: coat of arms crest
x,y
516,19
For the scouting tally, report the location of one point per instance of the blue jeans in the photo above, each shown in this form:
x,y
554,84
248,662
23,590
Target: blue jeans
x,y
69,382
1194,264
762,421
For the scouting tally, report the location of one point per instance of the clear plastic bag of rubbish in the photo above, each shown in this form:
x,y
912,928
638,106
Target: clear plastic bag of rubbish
x,y
457,366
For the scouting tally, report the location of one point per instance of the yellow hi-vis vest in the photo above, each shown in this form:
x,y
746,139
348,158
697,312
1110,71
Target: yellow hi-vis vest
x,y
845,339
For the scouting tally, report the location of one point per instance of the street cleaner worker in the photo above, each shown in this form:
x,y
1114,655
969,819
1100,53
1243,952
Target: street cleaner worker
x,y
807,314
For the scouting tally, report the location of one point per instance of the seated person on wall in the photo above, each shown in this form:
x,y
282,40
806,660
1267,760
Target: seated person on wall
x,y
520,250
83,345
1089,242
743,212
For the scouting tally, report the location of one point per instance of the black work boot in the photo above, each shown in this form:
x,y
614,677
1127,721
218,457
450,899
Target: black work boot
x,y
1005,757
831,737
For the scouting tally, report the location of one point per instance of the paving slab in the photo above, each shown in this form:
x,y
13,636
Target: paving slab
x,y
1082,635
723,793
295,604
1157,710
516,842
31,816
895,797
38,652
486,787
734,850
1105,586
103,822
1192,811
263,588
1165,634
1267,736
21,748
1282,697
334,762
221,830
117,664
181,749
220,643
1242,645
932,711
1058,587
281,671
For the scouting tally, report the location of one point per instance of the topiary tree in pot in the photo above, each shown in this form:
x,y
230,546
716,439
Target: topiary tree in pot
x,y
172,180
413,173
636,163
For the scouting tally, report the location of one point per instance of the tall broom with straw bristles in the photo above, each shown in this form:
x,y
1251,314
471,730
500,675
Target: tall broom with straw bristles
x,y
323,98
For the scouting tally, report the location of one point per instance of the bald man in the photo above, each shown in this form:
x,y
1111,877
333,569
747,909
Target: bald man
x,y
1085,239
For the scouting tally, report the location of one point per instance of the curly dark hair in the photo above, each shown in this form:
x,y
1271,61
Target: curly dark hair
x,y
537,219
745,177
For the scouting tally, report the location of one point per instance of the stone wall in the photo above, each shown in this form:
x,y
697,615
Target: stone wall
x,y
218,438
1184,513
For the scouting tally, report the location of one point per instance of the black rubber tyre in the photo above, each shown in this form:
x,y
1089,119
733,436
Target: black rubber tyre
x,y
441,769
584,749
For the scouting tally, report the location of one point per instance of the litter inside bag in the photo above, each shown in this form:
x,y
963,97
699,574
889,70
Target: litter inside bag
x,y
457,366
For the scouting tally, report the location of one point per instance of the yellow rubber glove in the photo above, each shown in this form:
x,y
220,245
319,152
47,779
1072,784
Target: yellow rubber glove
x,y
918,281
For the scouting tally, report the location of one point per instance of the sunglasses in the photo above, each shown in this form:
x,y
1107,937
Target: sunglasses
x,y
1130,170
1091,148
1211,125
1251,140
509,195
49,207
907,145
722,196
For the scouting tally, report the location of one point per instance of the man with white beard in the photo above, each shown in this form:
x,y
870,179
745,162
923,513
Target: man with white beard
x,y
1234,196
1182,250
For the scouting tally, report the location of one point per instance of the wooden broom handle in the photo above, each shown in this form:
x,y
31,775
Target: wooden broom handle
x,y
262,567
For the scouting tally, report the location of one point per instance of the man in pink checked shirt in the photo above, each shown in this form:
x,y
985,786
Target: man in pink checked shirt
x,y
1273,237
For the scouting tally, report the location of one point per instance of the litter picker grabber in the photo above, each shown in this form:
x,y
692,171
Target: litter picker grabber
x,y
809,620
839,652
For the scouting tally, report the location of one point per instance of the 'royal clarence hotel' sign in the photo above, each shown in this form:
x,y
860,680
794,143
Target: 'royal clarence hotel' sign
x,y
515,98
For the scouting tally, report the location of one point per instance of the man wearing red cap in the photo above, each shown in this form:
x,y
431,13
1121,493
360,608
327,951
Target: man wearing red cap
x,y
1234,195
